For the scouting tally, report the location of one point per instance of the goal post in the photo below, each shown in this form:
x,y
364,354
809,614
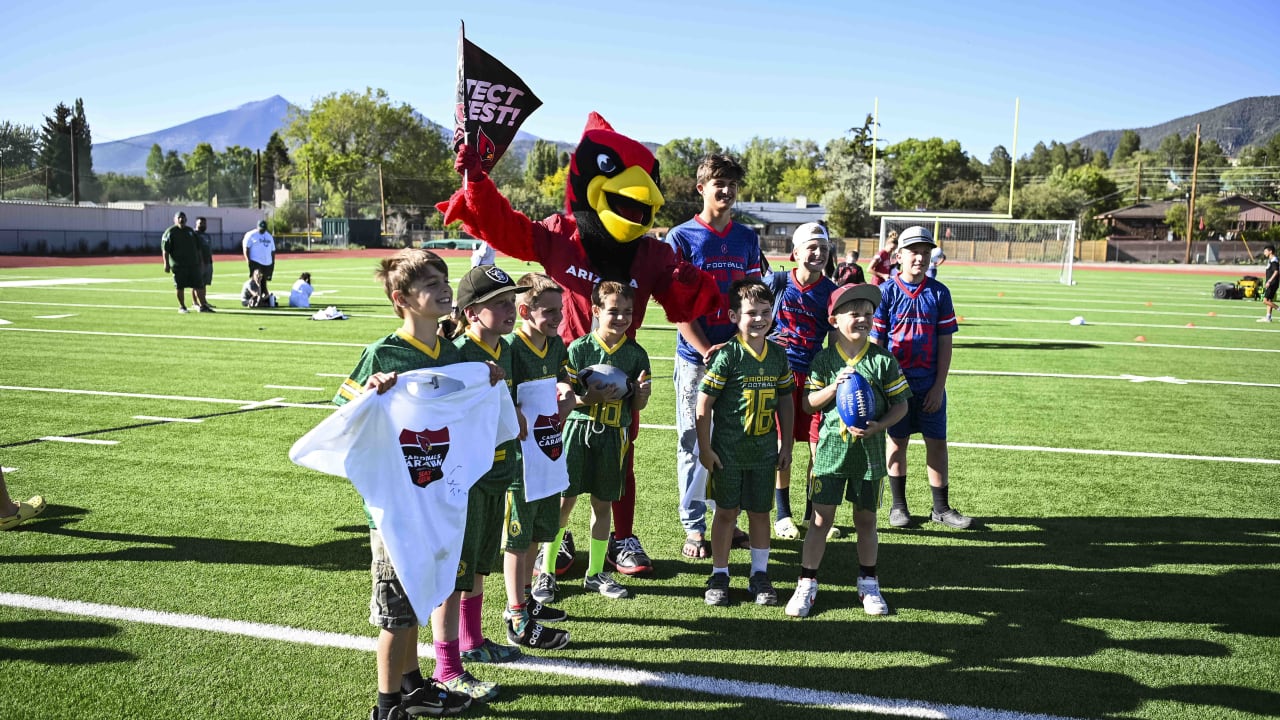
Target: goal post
x,y
996,240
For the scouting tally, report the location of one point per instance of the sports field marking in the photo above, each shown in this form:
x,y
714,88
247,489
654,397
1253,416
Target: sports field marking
x,y
1066,451
961,340
167,419
1120,324
1126,377
293,387
677,682
265,341
273,402
181,398
81,441
332,375
57,281
53,317
5,322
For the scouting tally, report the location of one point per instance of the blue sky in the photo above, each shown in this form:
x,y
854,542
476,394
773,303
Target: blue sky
x,y
661,70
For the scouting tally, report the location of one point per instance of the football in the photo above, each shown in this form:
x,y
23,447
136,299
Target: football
x,y
611,380
855,401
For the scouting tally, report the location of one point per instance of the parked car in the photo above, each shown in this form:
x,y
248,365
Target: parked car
x,y
466,243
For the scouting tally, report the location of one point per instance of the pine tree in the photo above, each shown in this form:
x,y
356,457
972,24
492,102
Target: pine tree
x,y
55,150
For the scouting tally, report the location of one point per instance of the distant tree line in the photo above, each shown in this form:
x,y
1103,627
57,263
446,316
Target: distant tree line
x,y
352,153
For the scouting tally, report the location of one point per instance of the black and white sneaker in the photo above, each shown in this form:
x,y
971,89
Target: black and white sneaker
x,y
544,588
761,589
435,700
717,589
522,630
952,518
564,556
628,557
545,613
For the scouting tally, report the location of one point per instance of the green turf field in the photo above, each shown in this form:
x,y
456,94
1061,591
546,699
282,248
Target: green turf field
x,y
1126,564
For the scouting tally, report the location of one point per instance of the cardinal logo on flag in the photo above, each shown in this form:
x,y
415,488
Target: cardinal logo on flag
x,y
546,431
492,103
424,452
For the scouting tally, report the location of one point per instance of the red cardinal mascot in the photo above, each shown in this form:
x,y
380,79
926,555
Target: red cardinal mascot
x,y
612,196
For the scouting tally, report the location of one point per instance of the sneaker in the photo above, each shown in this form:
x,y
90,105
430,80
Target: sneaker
x,y
628,557
869,593
395,713
434,699
603,583
952,518
467,684
834,532
490,652
786,529
183,311
545,613
760,587
1265,318
205,308
522,630
544,588
801,601
717,589
899,517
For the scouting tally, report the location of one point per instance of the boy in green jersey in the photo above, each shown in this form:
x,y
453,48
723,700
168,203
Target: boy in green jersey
x,y
596,437
417,283
486,295
539,362
746,385
850,462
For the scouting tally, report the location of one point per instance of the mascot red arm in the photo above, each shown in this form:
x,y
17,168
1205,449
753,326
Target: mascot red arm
x,y
612,196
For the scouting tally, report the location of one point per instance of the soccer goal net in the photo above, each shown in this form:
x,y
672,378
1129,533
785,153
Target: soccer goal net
x,y
991,240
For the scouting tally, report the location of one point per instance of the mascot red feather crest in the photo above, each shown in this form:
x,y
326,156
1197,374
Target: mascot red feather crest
x,y
611,197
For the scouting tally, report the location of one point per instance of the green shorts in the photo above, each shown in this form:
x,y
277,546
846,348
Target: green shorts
x,y
188,277
596,455
530,522
483,534
832,490
749,489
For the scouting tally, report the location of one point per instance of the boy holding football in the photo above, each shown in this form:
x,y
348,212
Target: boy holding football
x,y
850,461
417,283
596,434
915,321
746,384
539,359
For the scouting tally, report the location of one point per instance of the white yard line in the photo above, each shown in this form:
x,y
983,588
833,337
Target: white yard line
x,y
1126,378
181,398
167,419
970,318
264,341
961,339
80,441
293,387
676,682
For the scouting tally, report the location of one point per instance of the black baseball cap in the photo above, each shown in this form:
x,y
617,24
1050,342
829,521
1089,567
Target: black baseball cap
x,y
481,284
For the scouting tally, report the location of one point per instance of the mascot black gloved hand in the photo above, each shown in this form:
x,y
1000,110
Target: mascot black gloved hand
x,y
611,199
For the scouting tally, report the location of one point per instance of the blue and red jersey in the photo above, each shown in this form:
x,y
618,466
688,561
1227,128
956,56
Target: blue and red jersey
x,y
800,320
728,257
911,318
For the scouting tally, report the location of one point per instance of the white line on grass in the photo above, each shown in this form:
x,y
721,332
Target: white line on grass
x,y
167,419
52,317
334,375
183,398
971,318
81,441
1126,377
56,281
292,387
264,341
678,682
1069,451
992,338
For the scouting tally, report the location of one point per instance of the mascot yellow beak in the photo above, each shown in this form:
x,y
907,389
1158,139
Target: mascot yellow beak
x,y
626,202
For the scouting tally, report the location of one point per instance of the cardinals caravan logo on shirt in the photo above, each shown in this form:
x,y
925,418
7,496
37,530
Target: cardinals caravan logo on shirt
x,y
424,451
546,431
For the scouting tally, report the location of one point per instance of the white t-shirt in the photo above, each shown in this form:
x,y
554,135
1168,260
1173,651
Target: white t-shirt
x,y
259,245
484,254
545,471
413,453
300,295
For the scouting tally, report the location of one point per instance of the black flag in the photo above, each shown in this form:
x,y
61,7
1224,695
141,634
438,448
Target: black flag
x,y
492,103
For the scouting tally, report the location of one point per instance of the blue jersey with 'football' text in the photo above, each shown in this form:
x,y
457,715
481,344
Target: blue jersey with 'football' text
x,y
909,321
800,320
728,256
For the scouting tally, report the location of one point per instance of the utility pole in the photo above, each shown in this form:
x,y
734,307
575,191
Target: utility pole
x,y
1,180
75,173
208,184
257,176
1138,198
46,183
308,203
382,199
1191,202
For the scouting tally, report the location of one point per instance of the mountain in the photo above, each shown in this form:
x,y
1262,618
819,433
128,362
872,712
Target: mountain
x,y
1244,122
249,125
